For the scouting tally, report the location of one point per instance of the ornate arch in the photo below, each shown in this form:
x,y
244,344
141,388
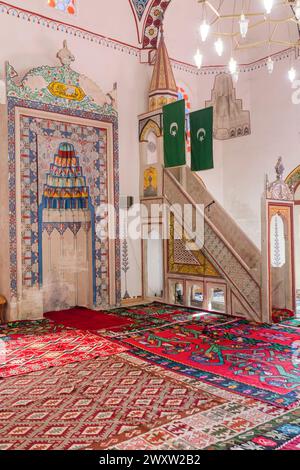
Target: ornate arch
x,y
153,22
147,15
150,126
293,179
139,7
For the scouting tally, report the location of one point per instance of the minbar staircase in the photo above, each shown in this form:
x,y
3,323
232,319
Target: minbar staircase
x,y
226,246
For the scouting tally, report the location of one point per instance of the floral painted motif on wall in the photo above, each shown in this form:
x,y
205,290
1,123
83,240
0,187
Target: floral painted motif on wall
x,y
67,6
140,7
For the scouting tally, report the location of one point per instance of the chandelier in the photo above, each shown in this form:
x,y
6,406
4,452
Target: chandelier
x,y
230,30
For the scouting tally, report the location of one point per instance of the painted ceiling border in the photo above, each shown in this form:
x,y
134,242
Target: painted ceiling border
x,y
63,27
76,31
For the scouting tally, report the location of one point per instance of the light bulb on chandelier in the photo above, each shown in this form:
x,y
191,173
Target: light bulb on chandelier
x,y
232,66
219,46
270,65
198,57
204,30
244,25
297,10
268,6
292,74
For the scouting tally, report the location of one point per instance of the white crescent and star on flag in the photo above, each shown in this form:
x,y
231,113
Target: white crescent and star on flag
x,y
174,129
201,134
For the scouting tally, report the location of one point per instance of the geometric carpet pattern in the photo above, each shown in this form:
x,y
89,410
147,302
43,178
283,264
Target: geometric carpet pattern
x,y
281,433
25,354
242,425
32,328
236,417
137,399
102,401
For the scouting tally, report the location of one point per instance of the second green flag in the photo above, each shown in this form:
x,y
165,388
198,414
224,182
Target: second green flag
x,y
201,123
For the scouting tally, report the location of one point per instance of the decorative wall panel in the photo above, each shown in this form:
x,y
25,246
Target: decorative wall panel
x,y
183,260
40,142
55,112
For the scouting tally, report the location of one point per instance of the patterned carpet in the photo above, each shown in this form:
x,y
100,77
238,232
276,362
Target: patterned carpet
x,y
28,353
141,400
294,322
147,317
105,400
281,433
256,361
33,328
236,416
210,431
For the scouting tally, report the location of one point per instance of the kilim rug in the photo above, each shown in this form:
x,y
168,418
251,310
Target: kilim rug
x,y
146,317
104,402
257,361
205,429
85,319
279,315
258,332
31,353
294,322
230,421
32,327
282,433
164,311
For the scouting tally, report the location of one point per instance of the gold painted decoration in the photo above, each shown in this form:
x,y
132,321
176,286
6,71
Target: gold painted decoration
x,y
150,126
184,260
68,92
150,182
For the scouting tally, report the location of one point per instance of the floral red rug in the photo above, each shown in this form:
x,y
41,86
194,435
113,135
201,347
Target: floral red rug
x,y
253,360
24,354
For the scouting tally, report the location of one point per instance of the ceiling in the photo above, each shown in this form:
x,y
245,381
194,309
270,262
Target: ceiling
x,y
183,18
137,23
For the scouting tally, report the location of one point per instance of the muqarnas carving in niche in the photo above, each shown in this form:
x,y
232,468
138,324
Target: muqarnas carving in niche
x,y
230,120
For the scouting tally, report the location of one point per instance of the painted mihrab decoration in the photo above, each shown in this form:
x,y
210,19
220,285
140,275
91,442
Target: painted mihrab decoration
x,y
230,120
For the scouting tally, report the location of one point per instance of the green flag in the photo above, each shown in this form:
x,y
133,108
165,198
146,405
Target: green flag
x,y
174,134
202,139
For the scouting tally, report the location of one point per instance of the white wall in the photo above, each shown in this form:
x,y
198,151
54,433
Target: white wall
x,y
275,122
29,45
240,164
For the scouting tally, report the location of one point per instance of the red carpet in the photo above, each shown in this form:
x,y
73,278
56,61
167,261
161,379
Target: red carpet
x,y
27,354
85,319
279,315
241,353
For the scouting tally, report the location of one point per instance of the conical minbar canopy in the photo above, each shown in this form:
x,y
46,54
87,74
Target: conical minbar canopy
x,y
163,88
